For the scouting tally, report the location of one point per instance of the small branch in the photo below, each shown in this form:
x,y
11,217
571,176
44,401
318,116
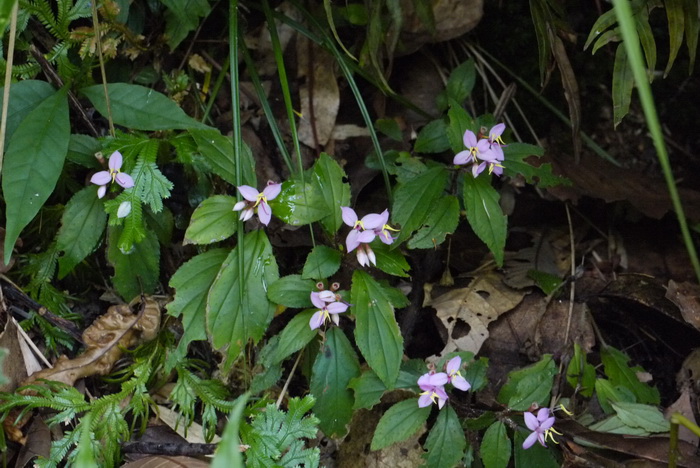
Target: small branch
x,y
8,80
98,41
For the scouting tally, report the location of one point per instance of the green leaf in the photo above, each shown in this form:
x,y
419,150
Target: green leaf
x,y
151,186
441,221
292,291
608,393
603,22
228,451
623,82
475,374
446,442
580,374
336,364
692,26
460,121
162,224
82,225
322,262
432,138
376,332
515,165
544,47
33,164
676,28
461,82
296,335
140,108
647,417
24,97
485,215
191,283
536,455
5,12
138,271
619,373
390,261
532,384
369,388
212,221
390,128
646,38
415,199
327,178
547,282
182,17
399,423
495,446
300,204
614,425
217,150
82,150
237,306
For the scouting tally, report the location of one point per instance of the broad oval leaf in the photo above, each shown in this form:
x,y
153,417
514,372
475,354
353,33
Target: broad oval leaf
x,y
399,423
321,263
336,364
432,138
495,446
441,221
295,335
446,442
299,204
217,150
137,272
237,306
327,177
212,221
389,260
529,385
82,225
484,213
376,332
292,291
24,97
33,164
140,108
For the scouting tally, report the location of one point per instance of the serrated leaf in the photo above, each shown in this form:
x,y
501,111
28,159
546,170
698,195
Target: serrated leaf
x,y
151,185
485,215
432,138
33,164
607,393
327,177
622,84
182,17
217,151
515,165
646,417
532,384
441,221
296,335
390,261
619,373
82,225
369,388
676,28
460,121
495,446
191,283
136,272
399,423
299,204
461,82
446,442
292,291
322,262
580,374
336,364
140,108
237,306
376,332
134,228
212,221
414,200
24,97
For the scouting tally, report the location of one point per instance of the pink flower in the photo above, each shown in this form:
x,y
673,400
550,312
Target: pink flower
x,y
433,386
114,174
364,231
255,200
329,309
453,375
538,425
476,149
483,152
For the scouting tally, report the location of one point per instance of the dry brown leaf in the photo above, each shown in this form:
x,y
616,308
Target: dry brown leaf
x,y
13,368
684,406
319,95
38,443
475,306
687,297
105,340
161,461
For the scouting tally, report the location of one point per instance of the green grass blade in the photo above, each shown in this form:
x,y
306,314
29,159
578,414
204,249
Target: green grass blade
x,y
631,44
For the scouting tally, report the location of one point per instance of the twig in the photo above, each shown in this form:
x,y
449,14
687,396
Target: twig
x,y
572,289
289,379
8,80
98,42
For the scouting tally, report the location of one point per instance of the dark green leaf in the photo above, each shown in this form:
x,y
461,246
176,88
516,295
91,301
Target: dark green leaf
x,y
532,384
336,364
461,82
441,221
328,178
432,138
228,452
692,26
214,220
623,82
460,121
547,282
446,442
296,335
161,223
646,38
390,261
292,291
140,108
619,373
676,28
399,423
580,374
603,22
182,17
376,332
514,165
322,262
368,388
614,425
24,97
300,204
82,150
217,151
646,417
33,164
536,455
136,272
484,213
390,128
82,225
475,374
608,393
495,446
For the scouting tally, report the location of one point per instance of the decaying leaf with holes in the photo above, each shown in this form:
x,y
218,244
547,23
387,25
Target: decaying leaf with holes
x,y
105,341
466,312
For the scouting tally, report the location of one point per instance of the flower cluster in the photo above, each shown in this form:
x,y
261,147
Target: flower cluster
x,y
329,304
364,231
482,152
433,384
114,174
257,202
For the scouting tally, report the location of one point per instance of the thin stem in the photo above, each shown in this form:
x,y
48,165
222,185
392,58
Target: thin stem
x,y
98,42
8,81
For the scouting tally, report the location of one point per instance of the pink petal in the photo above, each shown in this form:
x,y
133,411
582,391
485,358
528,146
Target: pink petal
x,y
441,402
248,192
317,301
362,258
101,191
373,221
498,170
272,190
386,237
453,365
351,242
424,400
124,180
115,161
335,319
264,213
349,216
246,214
438,379
316,320
478,168
370,255
530,440
461,383
365,237
101,178
463,157
547,424
337,307
239,206
496,131
531,421
424,381
543,414
327,296
469,139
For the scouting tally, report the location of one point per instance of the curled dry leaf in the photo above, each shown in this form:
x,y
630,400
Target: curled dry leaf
x,y
475,306
105,339
686,296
